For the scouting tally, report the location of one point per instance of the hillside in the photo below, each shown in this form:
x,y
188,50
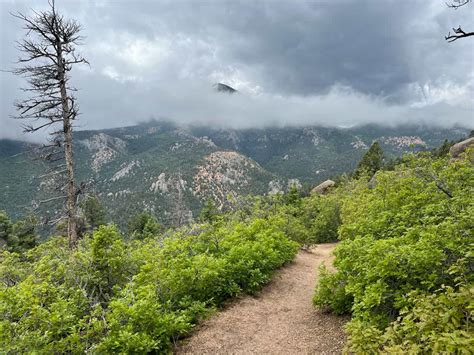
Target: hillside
x,y
163,168
400,278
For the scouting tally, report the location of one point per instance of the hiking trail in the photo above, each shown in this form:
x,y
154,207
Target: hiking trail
x,y
280,319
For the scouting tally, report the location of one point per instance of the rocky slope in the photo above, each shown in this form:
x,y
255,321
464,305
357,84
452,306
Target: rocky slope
x,y
161,167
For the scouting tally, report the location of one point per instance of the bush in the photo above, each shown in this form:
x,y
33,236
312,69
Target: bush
x,y
440,322
189,274
401,240
322,218
331,293
116,295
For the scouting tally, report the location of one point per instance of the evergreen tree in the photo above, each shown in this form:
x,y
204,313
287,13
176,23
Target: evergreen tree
x,y
151,229
208,212
143,225
24,231
6,228
94,212
443,149
293,196
372,161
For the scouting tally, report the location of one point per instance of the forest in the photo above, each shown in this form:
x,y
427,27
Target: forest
x,y
404,265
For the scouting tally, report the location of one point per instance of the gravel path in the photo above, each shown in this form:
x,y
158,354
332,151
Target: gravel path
x,y
279,320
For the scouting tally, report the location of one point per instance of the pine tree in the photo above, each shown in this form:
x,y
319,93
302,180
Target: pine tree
x,y
94,212
208,212
143,225
372,161
293,196
443,150
6,227
24,231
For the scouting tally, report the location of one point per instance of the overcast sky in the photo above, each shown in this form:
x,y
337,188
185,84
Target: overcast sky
x,y
331,62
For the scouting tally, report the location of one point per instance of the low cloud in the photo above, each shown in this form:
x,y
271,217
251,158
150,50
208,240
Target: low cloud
x,y
337,63
185,102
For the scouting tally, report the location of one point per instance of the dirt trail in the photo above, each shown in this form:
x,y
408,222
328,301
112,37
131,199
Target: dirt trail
x,y
279,320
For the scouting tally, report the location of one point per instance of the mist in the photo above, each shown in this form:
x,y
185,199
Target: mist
x,y
339,63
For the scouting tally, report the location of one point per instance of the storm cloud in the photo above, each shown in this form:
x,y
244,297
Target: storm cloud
x,y
336,62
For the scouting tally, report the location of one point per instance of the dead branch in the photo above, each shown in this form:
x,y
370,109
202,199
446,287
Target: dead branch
x,y
456,4
48,54
458,33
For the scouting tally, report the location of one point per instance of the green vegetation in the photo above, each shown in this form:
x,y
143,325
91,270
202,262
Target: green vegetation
x,y
139,292
405,262
18,236
372,161
143,225
125,163
113,295
94,212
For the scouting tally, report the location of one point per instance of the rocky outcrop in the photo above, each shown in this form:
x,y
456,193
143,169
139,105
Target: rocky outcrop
x,y
359,143
182,133
222,173
323,188
402,142
160,185
275,187
294,183
460,147
104,147
125,170
220,87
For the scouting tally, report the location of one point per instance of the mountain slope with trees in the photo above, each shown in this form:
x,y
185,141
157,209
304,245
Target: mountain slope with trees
x,y
404,268
168,170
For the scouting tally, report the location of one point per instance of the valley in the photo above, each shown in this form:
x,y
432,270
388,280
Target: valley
x,y
161,167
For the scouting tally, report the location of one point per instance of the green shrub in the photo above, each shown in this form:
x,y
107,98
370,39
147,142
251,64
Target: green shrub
x,y
401,239
440,322
130,296
331,293
322,218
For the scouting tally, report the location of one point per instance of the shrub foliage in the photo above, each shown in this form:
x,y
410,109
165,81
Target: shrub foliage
x,y
404,264
115,295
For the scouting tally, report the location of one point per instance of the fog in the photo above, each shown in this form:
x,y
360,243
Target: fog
x,y
331,63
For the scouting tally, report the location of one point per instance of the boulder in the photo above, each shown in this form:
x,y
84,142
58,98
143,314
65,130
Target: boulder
x,y
323,187
460,147
372,183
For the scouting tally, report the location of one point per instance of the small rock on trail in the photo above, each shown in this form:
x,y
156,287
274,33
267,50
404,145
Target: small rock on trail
x,y
280,319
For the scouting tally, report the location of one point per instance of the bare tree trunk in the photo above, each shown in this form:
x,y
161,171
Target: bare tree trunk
x,y
49,54
179,207
67,131
71,188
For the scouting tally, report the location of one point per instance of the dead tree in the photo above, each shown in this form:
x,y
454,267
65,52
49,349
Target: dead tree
x,y
458,32
48,55
178,211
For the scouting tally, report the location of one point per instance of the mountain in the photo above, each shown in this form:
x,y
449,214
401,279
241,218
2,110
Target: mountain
x,y
224,88
312,154
163,168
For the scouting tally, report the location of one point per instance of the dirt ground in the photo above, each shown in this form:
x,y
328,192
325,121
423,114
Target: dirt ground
x,y
279,320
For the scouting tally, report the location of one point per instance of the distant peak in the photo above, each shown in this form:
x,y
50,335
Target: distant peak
x,y
224,88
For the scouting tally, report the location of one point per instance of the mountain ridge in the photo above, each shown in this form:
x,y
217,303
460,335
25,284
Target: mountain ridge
x,y
160,167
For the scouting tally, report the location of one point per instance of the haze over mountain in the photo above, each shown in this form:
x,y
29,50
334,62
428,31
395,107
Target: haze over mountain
x,y
293,63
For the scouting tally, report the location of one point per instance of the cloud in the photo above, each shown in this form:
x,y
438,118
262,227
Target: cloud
x,y
338,62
